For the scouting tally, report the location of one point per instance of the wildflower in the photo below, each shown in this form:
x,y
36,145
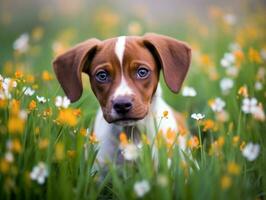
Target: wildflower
x,y
228,60
226,182
258,113
47,112
141,188
193,142
197,116
130,152
67,117
41,99
123,139
7,84
15,124
32,105
39,173
28,91
62,101
243,91
46,76
209,124
251,151
249,105
233,168
83,132
18,74
226,84
30,78
43,143
254,55
77,112
9,156
222,116
230,19
165,114
22,43
217,105
15,146
235,140
189,92
258,86
93,139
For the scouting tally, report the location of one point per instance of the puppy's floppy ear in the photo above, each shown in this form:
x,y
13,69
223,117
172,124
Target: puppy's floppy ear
x,y
174,58
69,65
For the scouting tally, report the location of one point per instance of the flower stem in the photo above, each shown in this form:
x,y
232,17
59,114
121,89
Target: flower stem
x,y
201,145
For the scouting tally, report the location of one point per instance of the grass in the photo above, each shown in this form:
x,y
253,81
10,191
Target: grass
x,y
63,140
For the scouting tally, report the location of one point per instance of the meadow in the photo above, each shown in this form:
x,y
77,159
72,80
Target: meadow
x,y
48,148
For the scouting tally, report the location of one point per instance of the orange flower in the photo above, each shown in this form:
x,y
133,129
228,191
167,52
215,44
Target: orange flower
x,y
3,103
32,105
243,91
67,117
193,142
18,74
15,125
16,146
83,132
77,112
46,76
254,55
14,107
209,124
93,139
170,137
30,78
123,139
239,55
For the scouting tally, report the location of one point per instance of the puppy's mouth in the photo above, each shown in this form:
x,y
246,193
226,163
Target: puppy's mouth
x,y
126,121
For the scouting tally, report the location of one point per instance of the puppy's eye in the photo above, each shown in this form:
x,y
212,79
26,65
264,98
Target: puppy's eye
x,y
102,76
142,73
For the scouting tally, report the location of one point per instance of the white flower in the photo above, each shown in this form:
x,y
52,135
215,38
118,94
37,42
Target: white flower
x,y
130,152
258,113
251,151
23,114
9,156
232,71
62,101
197,116
41,99
249,105
228,60
263,54
141,188
217,105
189,92
28,91
258,86
39,173
230,19
7,85
22,43
226,84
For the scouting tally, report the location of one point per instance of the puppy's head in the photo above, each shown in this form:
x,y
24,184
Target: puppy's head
x,y
124,72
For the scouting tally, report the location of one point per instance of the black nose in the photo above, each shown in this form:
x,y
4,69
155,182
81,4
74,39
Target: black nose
x,y
122,105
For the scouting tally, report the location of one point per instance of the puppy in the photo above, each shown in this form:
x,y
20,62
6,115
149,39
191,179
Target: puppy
x,y
124,75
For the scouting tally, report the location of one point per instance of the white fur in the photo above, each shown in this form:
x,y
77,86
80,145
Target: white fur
x,y
108,134
123,88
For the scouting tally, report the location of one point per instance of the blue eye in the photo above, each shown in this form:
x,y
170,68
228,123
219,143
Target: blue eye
x,y
102,76
142,73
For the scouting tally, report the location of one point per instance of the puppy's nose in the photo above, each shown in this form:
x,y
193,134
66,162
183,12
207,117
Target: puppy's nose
x,y
122,105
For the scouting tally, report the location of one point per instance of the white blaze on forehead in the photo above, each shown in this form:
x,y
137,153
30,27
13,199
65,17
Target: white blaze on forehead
x,y
123,88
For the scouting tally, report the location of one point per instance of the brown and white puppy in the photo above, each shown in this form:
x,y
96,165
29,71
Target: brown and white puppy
x,y
124,75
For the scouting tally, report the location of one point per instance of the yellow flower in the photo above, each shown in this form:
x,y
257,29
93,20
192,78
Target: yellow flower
x,y
170,137
220,141
3,103
43,143
59,151
16,146
14,107
32,105
123,139
242,145
67,117
226,182
254,55
83,132
233,168
46,76
239,55
235,140
243,91
165,114
15,124
93,139
30,78
71,153
4,166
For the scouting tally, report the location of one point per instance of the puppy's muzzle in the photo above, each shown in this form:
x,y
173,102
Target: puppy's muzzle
x,y
122,105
